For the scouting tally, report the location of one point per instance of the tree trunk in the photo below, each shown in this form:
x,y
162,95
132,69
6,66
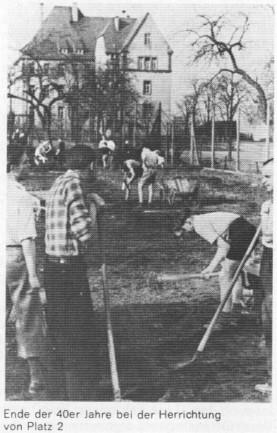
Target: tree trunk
x,y
230,141
48,126
258,87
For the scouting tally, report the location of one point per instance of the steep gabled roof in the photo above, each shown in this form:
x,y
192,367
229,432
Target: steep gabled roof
x,y
58,32
134,30
115,39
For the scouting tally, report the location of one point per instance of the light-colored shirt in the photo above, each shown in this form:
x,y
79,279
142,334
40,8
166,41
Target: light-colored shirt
x,y
211,226
267,223
20,214
111,145
150,159
102,143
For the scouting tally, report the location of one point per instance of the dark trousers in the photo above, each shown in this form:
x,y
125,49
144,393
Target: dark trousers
x,y
266,274
71,327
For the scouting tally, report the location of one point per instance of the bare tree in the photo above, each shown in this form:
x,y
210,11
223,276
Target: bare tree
x,y
38,90
116,95
189,107
211,43
79,92
231,94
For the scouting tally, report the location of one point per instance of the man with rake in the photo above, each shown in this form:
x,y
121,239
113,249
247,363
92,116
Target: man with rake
x,y
232,234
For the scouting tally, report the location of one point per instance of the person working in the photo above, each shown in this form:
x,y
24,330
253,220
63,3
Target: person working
x,y
232,234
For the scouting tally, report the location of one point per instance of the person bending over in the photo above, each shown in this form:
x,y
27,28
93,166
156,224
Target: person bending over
x,y
232,234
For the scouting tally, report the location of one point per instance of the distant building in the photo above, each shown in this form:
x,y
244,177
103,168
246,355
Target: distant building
x,y
136,44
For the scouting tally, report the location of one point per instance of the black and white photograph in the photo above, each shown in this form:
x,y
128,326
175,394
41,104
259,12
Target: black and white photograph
x,y
138,163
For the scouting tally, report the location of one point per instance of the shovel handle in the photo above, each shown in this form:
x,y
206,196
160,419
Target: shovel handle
x,y
161,278
207,334
107,304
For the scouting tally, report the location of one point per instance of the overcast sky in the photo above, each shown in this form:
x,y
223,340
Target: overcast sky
x,y
23,21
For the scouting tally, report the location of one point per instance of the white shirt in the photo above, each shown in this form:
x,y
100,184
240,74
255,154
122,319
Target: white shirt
x,y
151,158
111,145
103,143
211,226
267,223
20,214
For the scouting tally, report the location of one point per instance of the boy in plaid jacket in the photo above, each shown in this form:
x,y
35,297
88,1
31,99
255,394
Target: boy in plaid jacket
x,y
70,319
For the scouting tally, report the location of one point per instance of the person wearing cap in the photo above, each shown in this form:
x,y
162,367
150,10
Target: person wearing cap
x,y
70,317
151,160
21,276
232,234
266,271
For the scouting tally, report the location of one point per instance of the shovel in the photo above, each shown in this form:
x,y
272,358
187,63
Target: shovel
x,y
107,303
207,334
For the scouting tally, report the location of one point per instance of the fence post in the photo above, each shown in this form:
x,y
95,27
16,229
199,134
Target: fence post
x,y
267,130
193,148
135,126
191,141
212,141
172,142
238,142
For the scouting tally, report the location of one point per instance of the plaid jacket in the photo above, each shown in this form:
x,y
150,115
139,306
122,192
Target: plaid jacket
x,y
67,217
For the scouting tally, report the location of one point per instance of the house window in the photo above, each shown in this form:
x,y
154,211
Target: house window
x,y
46,68
32,89
147,39
60,113
147,88
114,59
88,70
60,90
24,69
141,63
147,63
154,63
79,51
31,116
60,69
32,68
64,50
46,90
124,61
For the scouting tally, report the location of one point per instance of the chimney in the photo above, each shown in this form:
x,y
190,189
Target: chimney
x,y
75,13
41,12
116,23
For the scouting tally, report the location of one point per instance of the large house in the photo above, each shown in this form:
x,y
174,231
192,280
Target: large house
x,y
137,45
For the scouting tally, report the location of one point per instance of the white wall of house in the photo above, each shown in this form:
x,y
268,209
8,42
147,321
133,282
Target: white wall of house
x,y
100,52
157,49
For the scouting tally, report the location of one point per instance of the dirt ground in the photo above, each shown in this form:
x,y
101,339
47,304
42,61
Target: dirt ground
x,y
155,326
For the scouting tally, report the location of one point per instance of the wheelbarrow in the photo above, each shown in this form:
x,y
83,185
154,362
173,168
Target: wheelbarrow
x,y
178,189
